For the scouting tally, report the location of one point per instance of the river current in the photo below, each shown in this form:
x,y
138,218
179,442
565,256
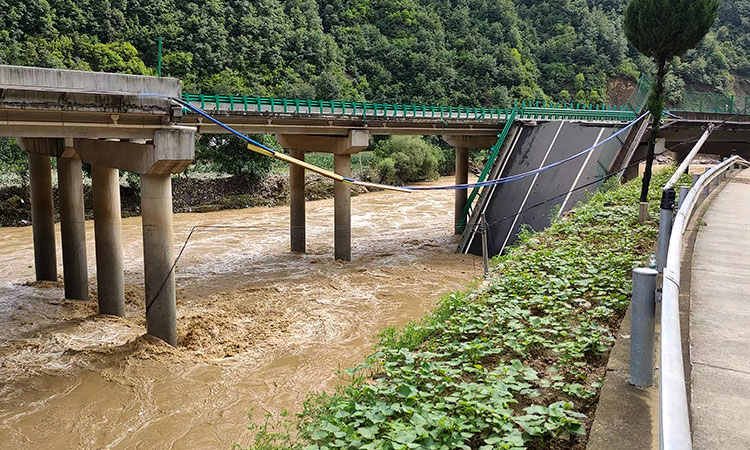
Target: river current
x,y
258,326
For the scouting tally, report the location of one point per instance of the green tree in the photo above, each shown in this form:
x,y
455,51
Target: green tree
x,y
661,30
405,159
229,154
14,160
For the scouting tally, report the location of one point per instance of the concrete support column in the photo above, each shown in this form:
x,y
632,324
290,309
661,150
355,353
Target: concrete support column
x,y
342,209
297,202
73,228
158,256
462,177
108,232
42,217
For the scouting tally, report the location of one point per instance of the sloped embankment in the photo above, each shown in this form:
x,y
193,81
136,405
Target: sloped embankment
x,y
516,363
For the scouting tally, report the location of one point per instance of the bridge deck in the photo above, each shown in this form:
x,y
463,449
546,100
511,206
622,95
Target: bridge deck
x,y
720,322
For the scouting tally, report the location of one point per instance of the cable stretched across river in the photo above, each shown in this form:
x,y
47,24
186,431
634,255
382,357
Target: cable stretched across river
x,y
265,150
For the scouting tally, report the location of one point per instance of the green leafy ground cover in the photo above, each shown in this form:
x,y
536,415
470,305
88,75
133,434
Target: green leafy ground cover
x,y
516,363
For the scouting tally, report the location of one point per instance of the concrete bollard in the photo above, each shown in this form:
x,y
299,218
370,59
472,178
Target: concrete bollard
x,y
642,322
666,216
643,213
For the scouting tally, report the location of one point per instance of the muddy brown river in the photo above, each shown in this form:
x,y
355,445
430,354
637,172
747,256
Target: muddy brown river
x,y
258,327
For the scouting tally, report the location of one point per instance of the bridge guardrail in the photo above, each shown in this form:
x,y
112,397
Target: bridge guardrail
x,y
494,152
674,419
525,110
696,101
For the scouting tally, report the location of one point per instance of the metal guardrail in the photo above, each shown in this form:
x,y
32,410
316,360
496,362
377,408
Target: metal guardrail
x,y
525,110
674,419
696,101
494,152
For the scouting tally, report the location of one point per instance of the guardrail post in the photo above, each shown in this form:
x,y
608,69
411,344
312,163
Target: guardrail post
x,y
683,194
706,189
665,227
642,324
695,179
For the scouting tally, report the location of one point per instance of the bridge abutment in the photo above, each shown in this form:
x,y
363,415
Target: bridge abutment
x,y
108,239
72,226
42,215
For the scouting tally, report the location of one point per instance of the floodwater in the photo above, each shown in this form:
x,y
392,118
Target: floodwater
x,y
258,327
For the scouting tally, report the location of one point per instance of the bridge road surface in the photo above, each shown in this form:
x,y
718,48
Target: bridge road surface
x,y
720,322
513,205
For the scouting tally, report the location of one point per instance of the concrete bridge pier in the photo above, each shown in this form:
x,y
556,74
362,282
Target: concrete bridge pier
x,y
72,225
171,151
72,220
462,177
342,148
158,256
297,203
105,183
342,209
463,144
42,214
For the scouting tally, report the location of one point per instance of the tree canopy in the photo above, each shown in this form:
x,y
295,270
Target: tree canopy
x,y
667,28
468,52
663,29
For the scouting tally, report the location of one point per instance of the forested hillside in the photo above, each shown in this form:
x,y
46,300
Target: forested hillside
x,y
468,52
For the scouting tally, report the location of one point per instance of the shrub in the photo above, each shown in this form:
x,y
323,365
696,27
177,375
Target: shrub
x,y
405,159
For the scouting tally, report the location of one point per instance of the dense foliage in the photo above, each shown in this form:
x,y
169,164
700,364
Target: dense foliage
x,y
515,364
467,52
405,159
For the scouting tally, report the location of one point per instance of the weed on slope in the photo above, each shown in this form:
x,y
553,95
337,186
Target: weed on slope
x,y
516,363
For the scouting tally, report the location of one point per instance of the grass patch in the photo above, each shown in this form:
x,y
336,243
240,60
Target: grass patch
x,y
516,363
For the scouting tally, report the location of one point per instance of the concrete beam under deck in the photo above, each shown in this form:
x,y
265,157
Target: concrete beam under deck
x,y
171,152
354,142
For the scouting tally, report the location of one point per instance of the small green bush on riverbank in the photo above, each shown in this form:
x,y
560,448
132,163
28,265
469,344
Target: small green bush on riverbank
x,y
515,364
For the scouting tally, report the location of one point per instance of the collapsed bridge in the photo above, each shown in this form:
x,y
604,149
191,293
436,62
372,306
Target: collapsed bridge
x,y
140,124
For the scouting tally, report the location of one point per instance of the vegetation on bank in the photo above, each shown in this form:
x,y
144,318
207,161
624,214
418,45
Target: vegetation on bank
x,y
516,363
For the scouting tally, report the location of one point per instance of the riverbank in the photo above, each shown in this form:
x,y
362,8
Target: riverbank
x,y
189,194
516,363
258,326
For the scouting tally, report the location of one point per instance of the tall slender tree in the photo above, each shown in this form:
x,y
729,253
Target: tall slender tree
x,y
663,29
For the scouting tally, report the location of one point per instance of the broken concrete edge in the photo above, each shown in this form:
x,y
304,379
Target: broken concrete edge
x,y
172,151
59,80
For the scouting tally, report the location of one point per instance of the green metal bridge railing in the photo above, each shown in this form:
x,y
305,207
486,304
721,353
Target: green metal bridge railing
x,y
525,110
694,101
494,153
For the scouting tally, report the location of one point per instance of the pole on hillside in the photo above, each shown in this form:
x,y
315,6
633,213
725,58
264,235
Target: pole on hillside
x,y
158,69
485,251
